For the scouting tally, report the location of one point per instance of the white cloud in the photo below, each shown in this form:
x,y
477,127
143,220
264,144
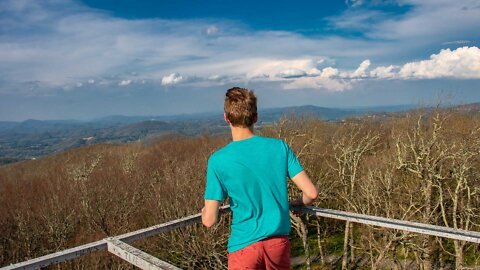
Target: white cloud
x,y
361,71
216,77
281,68
291,73
425,24
303,73
91,81
329,72
318,83
172,78
124,82
82,43
384,72
211,30
61,46
462,63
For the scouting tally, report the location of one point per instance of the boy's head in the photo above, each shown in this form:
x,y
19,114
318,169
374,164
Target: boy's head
x,y
240,107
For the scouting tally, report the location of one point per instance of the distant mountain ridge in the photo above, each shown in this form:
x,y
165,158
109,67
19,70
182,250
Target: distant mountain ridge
x,y
33,138
323,112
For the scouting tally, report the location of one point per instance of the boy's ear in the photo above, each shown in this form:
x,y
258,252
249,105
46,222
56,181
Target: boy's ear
x,y
225,118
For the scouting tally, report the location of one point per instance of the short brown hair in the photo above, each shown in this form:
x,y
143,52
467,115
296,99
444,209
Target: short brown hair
x,y
240,106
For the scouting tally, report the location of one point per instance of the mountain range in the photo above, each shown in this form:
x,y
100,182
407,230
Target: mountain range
x,y
32,138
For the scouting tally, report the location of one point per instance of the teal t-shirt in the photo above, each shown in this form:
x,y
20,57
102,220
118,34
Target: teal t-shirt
x,y
253,174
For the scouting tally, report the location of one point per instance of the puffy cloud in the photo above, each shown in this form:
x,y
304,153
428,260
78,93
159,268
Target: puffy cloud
x,y
172,78
360,72
384,72
329,72
291,73
303,73
124,82
327,79
318,83
286,68
462,63
63,45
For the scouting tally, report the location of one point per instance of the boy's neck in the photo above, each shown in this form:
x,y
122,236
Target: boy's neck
x,y
241,133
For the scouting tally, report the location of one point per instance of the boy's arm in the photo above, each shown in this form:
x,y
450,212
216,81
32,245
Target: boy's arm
x,y
210,212
309,191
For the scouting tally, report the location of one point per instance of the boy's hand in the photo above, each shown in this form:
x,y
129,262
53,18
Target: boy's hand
x,y
309,191
296,203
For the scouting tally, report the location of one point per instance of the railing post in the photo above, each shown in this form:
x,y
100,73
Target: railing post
x,y
137,257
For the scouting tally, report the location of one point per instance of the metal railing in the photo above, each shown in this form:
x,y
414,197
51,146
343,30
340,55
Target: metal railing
x,y
118,244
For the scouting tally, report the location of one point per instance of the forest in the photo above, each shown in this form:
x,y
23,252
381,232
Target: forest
x,y
422,166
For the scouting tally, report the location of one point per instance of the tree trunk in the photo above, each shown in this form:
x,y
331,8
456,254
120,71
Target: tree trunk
x,y
308,259
429,252
345,245
319,242
398,264
429,241
352,248
418,261
458,254
302,231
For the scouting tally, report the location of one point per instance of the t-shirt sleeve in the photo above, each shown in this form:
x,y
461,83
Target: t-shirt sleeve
x,y
293,165
214,189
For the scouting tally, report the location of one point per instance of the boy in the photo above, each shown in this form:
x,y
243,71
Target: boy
x,y
252,171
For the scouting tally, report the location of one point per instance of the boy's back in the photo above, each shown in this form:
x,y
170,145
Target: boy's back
x,y
253,173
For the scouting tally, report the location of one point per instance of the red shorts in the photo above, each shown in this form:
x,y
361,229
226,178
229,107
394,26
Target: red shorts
x,y
269,253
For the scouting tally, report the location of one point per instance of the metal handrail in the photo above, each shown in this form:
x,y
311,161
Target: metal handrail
x,y
78,251
409,226
427,229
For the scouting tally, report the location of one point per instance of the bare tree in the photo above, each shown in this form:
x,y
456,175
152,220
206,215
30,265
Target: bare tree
x,y
349,149
422,153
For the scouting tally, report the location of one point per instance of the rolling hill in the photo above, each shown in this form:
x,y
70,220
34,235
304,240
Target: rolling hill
x,y
32,138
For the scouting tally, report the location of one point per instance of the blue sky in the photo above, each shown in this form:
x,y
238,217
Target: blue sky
x,y
84,59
